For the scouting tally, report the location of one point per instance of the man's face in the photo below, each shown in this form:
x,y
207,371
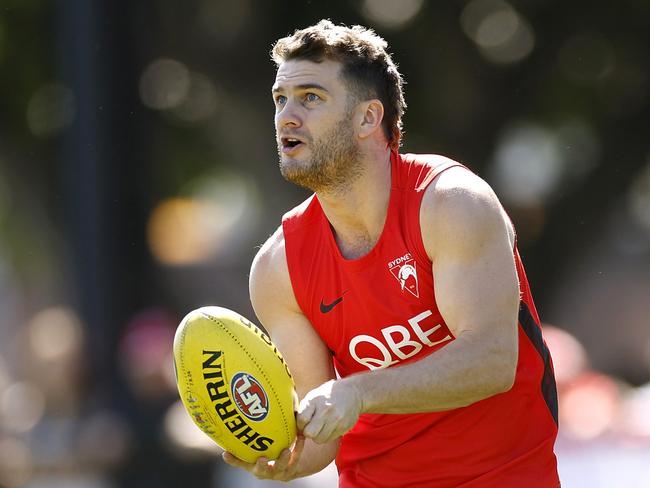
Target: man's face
x,y
317,143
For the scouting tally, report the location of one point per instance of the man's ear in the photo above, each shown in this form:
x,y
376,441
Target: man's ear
x,y
371,115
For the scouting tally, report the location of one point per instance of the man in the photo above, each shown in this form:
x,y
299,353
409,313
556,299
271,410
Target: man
x,y
399,276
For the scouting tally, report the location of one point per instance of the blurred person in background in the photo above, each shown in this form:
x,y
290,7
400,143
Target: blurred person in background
x,y
404,384
54,429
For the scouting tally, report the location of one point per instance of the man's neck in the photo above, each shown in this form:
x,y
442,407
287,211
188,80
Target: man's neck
x,y
358,212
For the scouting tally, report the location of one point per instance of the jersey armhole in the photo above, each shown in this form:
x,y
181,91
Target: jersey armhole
x,y
294,276
415,206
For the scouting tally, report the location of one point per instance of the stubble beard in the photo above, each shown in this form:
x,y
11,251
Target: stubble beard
x,y
334,162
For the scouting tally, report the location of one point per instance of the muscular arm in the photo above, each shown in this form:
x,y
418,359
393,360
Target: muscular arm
x,y
308,358
470,242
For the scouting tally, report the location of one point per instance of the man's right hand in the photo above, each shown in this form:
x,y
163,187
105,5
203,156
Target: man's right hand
x,y
284,468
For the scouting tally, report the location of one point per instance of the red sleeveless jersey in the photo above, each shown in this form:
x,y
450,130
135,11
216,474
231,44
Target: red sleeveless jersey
x,y
380,311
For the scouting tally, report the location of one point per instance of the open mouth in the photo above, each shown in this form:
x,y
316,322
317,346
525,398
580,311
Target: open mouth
x,y
289,144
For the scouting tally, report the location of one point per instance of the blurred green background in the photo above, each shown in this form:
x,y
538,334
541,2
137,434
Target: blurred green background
x,y
138,176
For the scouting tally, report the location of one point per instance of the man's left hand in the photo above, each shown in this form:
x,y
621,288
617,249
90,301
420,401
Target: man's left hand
x,y
329,411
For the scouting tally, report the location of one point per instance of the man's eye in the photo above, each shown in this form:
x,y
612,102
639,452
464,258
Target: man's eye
x,y
312,97
280,99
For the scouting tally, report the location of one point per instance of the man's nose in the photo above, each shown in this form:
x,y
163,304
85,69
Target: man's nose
x,y
288,116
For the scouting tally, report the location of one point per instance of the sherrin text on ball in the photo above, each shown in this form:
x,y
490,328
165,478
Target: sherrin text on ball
x,y
234,383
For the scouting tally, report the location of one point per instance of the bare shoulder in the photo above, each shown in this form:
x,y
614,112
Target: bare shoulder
x,y
460,208
269,282
270,261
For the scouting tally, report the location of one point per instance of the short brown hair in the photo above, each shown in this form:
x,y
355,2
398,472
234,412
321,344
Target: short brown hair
x,y
367,66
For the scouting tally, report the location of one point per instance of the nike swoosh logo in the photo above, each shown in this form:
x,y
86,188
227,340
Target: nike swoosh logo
x,y
327,307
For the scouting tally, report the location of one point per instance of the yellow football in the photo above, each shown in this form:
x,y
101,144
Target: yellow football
x,y
234,383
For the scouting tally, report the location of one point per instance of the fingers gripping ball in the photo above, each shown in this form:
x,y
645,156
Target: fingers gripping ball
x,y
234,383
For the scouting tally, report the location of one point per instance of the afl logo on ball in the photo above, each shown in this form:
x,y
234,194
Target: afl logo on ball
x,y
249,396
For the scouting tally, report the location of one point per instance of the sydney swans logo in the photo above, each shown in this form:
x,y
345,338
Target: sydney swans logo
x,y
405,271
